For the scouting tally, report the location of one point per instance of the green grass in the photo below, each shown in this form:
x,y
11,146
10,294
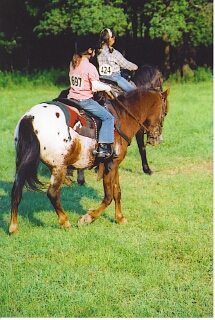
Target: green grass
x,y
158,265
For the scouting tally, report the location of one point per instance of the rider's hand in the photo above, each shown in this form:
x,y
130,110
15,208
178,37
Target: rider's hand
x,y
110,94
108,89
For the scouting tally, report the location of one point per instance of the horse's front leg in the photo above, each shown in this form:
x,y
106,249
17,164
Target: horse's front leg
x,y
57,178
142,151
117,198
108,183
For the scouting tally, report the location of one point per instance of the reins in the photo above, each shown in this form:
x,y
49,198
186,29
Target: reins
x,y
128,111
145,130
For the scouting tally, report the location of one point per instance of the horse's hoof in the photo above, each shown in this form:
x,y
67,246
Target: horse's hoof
x,y
85,219
81,182
13,229
149,172
65,224
122,221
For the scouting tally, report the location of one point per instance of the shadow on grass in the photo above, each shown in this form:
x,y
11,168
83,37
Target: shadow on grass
x,y
35,202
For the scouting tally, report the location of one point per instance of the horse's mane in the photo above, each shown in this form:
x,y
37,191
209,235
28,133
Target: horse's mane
x,y
145,75
125,96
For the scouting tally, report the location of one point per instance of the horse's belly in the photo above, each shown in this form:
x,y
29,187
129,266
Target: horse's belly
x,y
80,154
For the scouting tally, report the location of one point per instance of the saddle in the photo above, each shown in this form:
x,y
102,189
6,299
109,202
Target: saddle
x,y
78,119
84,123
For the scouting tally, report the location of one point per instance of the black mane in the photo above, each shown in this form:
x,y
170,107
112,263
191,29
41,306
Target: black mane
x,y
145,75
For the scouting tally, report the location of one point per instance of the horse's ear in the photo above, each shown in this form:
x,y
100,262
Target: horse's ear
x,y
166,93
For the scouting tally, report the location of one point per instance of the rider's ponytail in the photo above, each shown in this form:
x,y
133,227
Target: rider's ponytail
x,y
76,59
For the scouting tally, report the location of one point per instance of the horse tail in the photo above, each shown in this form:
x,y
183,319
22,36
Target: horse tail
x,y
28,154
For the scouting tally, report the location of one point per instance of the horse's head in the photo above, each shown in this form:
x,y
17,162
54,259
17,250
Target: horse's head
x,y
156,121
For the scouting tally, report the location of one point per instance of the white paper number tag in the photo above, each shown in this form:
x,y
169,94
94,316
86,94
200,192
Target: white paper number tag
x,y
105,70
76,81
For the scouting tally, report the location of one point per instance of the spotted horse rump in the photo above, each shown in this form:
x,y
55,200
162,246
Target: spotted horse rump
x,y
76,118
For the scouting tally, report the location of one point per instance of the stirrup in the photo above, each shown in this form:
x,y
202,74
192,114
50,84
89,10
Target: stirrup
x,y
103,151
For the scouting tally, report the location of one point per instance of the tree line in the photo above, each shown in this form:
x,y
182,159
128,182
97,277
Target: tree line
x,y
40,34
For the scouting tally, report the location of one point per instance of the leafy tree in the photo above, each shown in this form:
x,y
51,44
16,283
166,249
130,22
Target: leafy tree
x,y
172,26
12,24
171,20
183,24
80,17
176,20
16,33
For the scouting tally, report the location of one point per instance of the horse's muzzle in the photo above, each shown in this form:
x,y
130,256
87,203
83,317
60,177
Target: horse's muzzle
x,y
154,140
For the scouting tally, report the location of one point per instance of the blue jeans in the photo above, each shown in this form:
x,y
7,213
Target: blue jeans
x,y
122,82
106,133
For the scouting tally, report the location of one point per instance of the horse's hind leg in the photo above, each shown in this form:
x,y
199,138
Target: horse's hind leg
x,y
16,196
57,178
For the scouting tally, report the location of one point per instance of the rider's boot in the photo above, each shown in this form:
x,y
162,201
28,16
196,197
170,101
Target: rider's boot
x,y
103,151
106,150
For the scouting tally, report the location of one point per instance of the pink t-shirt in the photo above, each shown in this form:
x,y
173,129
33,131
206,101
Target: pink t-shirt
x,y
81,80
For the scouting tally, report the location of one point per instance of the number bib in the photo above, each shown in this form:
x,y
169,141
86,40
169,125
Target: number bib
x,y
76,82
105,70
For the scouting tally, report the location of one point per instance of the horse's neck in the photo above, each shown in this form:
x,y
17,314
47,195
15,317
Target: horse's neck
x,y
140,105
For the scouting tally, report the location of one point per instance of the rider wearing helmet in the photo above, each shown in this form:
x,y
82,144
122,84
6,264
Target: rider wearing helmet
x,y
84,81
111,60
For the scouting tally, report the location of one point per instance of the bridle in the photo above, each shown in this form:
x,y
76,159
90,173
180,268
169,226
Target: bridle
x,y
142,126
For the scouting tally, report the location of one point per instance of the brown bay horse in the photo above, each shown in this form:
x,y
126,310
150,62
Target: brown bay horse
x,y
147,76
42,134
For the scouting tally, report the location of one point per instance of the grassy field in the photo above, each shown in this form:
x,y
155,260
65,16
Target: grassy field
x,y
157,265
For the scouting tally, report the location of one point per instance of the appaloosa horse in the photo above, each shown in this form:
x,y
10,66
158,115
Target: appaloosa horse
x,y
42,134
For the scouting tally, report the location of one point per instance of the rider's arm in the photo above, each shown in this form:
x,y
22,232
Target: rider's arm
x,y
100,86
94,79
124,63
